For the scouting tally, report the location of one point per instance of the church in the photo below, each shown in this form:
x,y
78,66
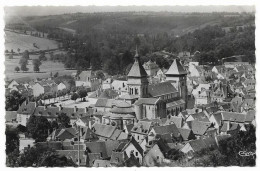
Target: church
x,y
147,101
157,100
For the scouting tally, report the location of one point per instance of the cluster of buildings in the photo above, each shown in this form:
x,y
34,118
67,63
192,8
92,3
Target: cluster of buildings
x,y
140,120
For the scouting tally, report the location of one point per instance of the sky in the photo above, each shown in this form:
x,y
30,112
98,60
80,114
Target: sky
x,y
56,10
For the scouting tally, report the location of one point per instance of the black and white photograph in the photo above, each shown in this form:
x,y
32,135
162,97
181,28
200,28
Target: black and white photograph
x,y
129,86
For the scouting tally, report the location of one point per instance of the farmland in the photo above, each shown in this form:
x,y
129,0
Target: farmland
x,y
45,69
25,42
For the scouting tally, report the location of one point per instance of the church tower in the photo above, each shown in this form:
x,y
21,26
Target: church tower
x,y
137,79
178,77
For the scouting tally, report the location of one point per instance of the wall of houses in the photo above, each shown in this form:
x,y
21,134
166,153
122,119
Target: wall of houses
x,y
22,119
132,150
153,157
38,90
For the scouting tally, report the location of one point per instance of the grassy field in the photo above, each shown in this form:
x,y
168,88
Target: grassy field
x,y
45,69
25,42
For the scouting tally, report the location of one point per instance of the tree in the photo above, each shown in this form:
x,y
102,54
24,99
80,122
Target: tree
x,y
13,100
42,57
63,120
23,62
17,69
100,75
12,139
26,55
36,65
38,127
52,159
74,96
82,93
56,74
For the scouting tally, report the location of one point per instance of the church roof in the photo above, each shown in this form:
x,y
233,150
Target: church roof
x,y
137,70
176,69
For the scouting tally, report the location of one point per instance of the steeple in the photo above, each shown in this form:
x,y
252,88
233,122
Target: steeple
x,y
136,54
137,78
137,69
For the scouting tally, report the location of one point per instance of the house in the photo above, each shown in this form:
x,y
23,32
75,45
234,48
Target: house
x,y
158,131
141,129
200,116
161,75
151,68
200,128
102,163
107,84
199,144
203,97
62,86
184,54
120,86
118,158
132,148
25,111
153,157
88,79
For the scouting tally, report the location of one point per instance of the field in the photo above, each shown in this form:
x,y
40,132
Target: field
x,y
25,42
45,69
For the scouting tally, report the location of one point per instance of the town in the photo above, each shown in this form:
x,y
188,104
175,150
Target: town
x,y
149,116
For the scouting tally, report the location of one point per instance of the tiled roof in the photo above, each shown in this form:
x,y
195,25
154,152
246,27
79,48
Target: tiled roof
x,y
200,117
161,89
176,69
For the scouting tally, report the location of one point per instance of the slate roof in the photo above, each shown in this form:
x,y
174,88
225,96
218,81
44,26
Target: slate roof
x,y
171,129
122,110
199,127
142,127
118,158
159,89
197,145
27,108
176,69
200,117
175,103
234,117
176,120
250,116
149,101
10,116
137,70
186,134
103,130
